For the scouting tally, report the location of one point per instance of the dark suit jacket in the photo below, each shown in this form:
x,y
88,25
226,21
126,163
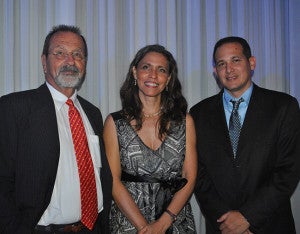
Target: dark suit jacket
x,y
261,180
29,154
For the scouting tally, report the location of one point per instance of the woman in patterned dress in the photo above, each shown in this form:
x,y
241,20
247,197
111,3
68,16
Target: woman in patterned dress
x,y
150,145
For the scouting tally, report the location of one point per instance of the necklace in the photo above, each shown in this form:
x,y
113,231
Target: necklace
x,y
151,115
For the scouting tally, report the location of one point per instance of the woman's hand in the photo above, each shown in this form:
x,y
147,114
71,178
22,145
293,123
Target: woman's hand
x,y
153,228
159,226
143,230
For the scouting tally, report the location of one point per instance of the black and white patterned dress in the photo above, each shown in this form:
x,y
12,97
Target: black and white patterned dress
x,y
165,163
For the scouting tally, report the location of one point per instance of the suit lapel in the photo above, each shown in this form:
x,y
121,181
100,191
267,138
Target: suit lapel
x,y
218,116
97,126
253,122
39,142
44,120
88,111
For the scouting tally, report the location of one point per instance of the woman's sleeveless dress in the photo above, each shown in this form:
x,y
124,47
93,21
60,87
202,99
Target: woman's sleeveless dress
x,y
165,163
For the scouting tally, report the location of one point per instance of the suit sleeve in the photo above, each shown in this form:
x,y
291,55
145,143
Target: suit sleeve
x,y
276,194
11,218
211,203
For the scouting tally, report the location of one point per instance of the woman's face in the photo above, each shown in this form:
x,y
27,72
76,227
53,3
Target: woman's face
x,y
152,75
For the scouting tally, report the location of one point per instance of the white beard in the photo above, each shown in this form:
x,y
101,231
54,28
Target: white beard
x,y
73,80
68,81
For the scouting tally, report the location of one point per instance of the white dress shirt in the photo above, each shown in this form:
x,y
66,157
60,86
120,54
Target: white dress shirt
x,y
65,205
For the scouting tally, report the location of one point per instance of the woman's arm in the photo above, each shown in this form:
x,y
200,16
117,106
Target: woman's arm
x,y
120,194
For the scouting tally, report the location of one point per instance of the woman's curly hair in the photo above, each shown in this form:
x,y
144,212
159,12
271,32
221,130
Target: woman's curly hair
x,y
173,103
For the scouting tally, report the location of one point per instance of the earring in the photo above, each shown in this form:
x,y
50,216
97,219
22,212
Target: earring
x,y
134,82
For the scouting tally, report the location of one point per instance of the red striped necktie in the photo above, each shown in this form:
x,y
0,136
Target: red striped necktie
x,y
88,193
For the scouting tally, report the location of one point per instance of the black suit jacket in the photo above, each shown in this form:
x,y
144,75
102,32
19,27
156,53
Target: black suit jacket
x,y
29,154
261,180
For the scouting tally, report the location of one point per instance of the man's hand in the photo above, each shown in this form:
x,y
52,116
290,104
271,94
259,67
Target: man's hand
x,y
233,222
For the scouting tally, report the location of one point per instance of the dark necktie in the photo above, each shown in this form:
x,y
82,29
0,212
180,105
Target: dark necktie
x,y
88,193
235,125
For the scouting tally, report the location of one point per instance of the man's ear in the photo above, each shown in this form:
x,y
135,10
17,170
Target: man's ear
x,y
44,64
252,61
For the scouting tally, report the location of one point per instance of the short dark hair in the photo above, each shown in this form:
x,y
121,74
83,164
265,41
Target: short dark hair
x,y
232,39
63,28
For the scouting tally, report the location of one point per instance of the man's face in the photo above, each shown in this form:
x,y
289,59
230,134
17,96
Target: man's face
x,y
233,69
65,65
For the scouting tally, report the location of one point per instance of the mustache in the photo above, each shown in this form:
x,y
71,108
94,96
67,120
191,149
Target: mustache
x,y
68,68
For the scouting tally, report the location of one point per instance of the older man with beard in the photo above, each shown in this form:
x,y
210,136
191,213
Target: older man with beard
x,y
48,182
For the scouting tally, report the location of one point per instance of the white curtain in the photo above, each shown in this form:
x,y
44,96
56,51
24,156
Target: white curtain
x,y
116,29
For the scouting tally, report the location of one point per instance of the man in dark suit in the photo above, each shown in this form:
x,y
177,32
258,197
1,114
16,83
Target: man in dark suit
x,y
244,185
40,182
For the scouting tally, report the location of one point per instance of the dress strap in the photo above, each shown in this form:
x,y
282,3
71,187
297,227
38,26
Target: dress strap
x,y
117,115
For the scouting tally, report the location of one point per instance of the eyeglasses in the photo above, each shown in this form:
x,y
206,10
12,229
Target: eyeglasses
x,y
63,54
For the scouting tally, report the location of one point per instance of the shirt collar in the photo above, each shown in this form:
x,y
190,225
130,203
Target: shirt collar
x,y
246,96
59,98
